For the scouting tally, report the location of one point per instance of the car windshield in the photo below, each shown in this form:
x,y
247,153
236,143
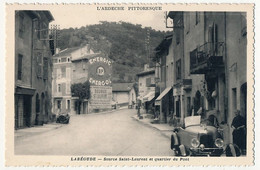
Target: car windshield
x,y
192,120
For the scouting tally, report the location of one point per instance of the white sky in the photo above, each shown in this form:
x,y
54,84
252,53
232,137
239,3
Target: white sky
x,y
82,17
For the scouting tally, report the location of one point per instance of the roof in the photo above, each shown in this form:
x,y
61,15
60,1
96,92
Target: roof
x,y
88,56
164,45
37,13
122,87
67,51
143,73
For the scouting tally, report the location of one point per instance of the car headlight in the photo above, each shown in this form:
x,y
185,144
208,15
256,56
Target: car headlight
x,y
202,147
219,143
195,142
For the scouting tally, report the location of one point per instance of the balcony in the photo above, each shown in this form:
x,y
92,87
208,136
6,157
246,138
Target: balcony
x,y
208,57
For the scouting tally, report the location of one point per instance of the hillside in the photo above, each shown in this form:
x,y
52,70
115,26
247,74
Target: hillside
x,y
122,42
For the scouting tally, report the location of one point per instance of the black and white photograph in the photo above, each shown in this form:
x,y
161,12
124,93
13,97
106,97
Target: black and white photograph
x,y
157,82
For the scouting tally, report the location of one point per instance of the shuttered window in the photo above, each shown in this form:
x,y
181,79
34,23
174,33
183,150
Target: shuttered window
x,y
39,64
45,68
20,65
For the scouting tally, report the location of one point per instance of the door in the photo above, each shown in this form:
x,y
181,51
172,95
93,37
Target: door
x,y
27,110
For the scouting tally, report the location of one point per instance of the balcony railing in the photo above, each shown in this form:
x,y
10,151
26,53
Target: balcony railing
x,y
207,56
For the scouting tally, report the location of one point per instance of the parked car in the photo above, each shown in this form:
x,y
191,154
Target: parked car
x,y
63,118
199,138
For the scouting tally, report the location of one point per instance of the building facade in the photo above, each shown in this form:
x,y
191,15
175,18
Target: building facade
x,y
165,79
33,67
209,56
78,65
146,87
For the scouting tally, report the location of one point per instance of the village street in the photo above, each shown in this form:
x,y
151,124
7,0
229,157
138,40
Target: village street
x,y
110,134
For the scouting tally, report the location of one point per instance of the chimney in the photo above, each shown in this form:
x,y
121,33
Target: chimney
x,y
57,51
146,67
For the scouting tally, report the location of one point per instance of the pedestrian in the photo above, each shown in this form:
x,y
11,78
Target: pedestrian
x,y
239,130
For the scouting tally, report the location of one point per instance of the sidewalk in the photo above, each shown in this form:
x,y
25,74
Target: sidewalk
x,y
165,129
30,131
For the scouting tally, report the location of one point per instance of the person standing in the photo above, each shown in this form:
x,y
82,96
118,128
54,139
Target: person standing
x,y
239,130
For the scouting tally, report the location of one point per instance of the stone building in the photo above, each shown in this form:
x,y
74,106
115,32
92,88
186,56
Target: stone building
x,y
209,52
33,67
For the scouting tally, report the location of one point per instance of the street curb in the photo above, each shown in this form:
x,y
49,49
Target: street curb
x,y
35,134
150,125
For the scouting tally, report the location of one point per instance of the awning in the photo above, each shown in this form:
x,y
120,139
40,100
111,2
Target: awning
x,y
163,93
148,97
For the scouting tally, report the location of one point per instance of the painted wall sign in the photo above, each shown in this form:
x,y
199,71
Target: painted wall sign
x,y
101,97
100,71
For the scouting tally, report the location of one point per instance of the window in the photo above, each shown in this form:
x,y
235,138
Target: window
x,y
59,60
39,63
44,31
178,69
21,25
68,59
59,88
37,28
140,84
37,103
58,104
197,17
45,68
178,36
68,104
148,82
20,64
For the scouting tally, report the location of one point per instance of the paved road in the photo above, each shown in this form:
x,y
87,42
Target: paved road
x,y
107,134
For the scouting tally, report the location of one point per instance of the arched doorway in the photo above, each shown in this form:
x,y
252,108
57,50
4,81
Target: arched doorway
x,y
43,104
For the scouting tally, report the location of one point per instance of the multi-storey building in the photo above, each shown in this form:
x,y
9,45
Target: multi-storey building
x,y
69,66
33,67
164,78
146,87
78,65
209,52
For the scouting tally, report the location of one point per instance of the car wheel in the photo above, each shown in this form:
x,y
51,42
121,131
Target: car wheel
x,y
182,150
174,141
232,150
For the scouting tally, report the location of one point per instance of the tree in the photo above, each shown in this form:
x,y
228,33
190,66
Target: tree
x,y
82,91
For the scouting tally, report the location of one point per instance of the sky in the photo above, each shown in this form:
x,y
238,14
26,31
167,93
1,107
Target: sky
x,y
81,17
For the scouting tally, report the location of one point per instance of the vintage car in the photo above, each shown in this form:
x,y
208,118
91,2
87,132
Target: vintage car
x,y
63,118
199,138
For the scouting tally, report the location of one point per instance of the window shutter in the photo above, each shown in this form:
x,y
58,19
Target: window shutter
x,y
45,68
20,64
39,64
